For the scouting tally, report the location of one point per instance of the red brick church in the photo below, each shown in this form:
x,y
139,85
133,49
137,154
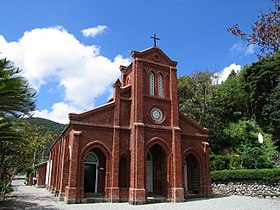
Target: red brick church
x,y
134,147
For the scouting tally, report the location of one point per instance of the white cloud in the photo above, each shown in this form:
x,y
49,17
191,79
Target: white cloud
x,y
237,47
241,48
223,75
47,54
250,49
94,31
58,112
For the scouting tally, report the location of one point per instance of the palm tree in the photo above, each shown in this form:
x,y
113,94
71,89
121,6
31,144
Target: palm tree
x,y
16,95
17,99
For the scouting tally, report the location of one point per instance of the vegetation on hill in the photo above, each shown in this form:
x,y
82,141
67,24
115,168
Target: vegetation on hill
x,y
246,105
237,110
48,131
46,126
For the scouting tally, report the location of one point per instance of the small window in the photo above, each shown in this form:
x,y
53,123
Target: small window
x,y
152,83
128,81
160,88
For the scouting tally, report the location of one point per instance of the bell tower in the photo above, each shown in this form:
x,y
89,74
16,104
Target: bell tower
x,y
154,117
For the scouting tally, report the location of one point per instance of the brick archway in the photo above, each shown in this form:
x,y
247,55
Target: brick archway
x,y
103,168
95,144
192,172
160,142
156,170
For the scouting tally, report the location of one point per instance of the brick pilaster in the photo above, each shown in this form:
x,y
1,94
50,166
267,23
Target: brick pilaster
x,y
206,186
114,188
137,191
73,187
63,169
177,190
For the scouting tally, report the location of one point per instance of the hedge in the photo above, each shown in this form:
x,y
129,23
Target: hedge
x,y
271,175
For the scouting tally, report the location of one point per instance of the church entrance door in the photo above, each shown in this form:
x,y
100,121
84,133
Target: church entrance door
x,y
91,173
156,171
191,174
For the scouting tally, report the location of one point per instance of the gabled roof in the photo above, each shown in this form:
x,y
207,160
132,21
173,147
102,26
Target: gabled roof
x,y
154,54
81,115
190,127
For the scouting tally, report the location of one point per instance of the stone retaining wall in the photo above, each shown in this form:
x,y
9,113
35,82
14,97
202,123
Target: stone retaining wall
x,y
248,188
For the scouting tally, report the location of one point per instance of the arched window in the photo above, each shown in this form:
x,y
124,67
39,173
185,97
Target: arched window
x,y
160,88
152,83
128,81
91,158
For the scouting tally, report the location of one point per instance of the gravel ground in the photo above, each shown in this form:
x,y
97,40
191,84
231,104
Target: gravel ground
x,y
26,197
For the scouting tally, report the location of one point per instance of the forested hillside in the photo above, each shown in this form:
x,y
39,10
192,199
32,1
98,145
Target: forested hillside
x,y
243,112
46,126
46,131
238,110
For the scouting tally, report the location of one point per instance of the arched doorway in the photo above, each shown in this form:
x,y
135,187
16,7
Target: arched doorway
x,y
94,173
156,179
191,174
91,173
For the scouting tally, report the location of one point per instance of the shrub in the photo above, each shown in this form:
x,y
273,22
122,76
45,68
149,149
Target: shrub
x,y
222,162
218,162
248,162
263,162
271,175
234,162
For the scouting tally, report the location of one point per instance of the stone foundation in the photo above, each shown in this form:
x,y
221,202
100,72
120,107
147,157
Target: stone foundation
x,y
248,188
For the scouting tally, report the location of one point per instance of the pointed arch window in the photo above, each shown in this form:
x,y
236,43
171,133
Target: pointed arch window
x,y
152,83
160,87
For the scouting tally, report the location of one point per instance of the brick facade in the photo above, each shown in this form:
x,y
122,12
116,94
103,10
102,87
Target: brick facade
x,y
135,146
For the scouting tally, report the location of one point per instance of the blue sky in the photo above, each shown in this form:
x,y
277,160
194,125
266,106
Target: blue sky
x,y
70,50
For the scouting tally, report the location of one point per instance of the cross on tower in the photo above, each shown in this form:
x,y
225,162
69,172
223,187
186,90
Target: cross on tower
x,y
155,38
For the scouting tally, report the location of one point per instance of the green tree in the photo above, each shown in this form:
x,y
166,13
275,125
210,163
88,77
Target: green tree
x,y
243,136
229,103
21,154
230,100
265,31
16,95
262,81
17,99
195,93
271,114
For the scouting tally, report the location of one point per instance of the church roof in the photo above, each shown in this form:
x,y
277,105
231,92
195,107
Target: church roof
x,y
154,53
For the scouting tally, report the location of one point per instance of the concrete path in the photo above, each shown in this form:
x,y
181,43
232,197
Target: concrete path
x,y
26,197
